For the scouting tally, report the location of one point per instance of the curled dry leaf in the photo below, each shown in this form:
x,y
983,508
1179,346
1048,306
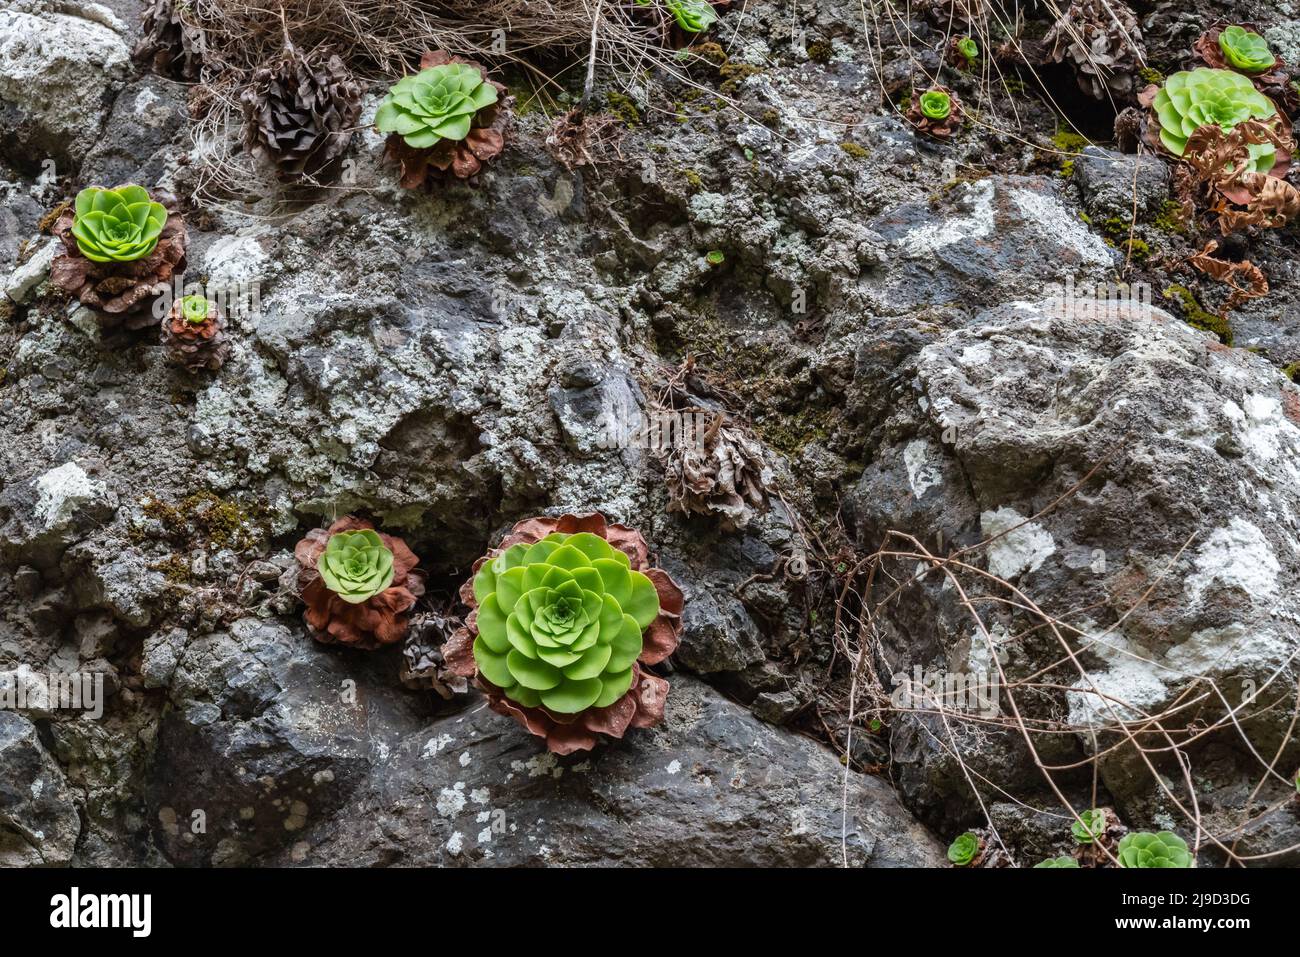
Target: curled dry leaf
x,y
121,292
1246,279
168,45
1218,176
721,472
1102,41
577,139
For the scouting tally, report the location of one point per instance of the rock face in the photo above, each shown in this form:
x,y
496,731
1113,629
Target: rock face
x,y
288,754
39,822
60,66
1168,563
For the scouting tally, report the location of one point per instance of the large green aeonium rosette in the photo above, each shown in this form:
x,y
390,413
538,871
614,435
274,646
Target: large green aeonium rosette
x,y
567,612
1195,98
438,103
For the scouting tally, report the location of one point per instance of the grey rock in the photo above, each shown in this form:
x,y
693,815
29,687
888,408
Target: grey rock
x,y
60,66
712,786
1114,184
39,821
24,280
1181,584
50,511
138,134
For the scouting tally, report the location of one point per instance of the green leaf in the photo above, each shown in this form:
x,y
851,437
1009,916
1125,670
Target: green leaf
x,y
572,697
532,672
643,604
587,665
492,625
493,666
614,685
625,648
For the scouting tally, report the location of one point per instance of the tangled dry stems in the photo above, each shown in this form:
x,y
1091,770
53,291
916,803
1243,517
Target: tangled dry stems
x,y
871,585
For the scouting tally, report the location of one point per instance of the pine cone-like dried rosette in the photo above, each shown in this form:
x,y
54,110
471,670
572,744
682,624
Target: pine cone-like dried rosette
x,y
448,118
359,584
193,334
168,46
121,248
566,615
299,114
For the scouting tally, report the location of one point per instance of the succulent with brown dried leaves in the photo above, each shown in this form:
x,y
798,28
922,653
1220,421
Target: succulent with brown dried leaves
x,y
1273,79
193,333
1102,41
424,667
359,585
567,614
300,112
168,45
936,112
120,291
722,474
448,119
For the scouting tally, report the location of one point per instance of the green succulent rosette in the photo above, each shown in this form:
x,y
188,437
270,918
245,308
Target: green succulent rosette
x,y
936,105
117,225
1057,862
560,622
567,615
1090,826
1245,50
1194,98
195,309
1144,849
693,16
438,103
968,48
356,565
965,849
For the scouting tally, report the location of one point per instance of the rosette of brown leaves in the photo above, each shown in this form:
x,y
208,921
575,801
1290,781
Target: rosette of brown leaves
x,y
121,292
378,621
1102,41
299,113
722,474
462,159
643,704
195,345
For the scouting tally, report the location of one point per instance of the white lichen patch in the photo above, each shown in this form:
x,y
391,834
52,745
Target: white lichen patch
x,y
1020,550
674,767
61,491
927,239
1235,556
922,472
455,843
451,801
